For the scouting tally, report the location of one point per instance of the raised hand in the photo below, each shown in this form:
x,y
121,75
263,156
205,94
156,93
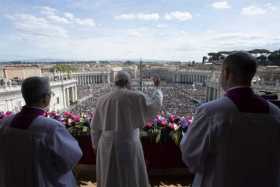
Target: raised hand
x,y
156,80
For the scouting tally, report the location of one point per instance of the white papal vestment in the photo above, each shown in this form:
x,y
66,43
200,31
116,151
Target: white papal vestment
x,y
115,135
41,156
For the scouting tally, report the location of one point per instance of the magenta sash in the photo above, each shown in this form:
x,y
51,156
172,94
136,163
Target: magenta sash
x,y
247,101
25,117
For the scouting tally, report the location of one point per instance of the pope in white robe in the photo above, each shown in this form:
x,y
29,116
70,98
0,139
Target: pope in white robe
x,y
115,134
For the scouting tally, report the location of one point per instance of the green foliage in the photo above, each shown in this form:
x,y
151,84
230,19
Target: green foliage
x,y
65,68
274,57
79,129
158,137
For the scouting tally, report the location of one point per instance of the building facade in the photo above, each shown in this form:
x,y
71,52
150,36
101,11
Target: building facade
x,y
21,72
215,91
64,95
192,76
91,78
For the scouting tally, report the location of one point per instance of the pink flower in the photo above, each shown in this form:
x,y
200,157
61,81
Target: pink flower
x,y
163,122
76,118
172,118
149,124
171,125
67,114
8,113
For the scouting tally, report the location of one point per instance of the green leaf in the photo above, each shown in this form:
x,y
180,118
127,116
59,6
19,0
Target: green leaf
x,y
177,137
158,137
85,129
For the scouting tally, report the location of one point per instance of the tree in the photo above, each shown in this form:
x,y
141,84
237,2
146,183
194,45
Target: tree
x,y
259,51
262,60
65,68
274,57
204,59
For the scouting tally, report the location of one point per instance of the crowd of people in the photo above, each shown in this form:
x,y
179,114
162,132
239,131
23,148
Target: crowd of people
x,y
232,141
88,96
178,99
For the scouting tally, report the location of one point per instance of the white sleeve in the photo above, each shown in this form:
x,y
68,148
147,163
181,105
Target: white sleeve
x,y
194,144
154,103
95,131
66,150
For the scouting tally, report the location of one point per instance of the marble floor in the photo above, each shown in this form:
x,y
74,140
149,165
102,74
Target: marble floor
x,y
86,176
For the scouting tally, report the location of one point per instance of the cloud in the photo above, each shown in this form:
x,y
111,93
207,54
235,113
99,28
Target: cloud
x,y
48,23
177,15
147,17
139,16
161,26
33,25
270,7
221,5
148,44
254,10
134,33
53,15
84,22
69,15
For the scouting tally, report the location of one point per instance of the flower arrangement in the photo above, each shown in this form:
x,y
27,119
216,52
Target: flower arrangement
x,y
166,127
161,129
77,125
5,114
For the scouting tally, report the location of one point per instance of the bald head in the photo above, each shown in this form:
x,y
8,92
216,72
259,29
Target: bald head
x,y
239,68
123,79
35,90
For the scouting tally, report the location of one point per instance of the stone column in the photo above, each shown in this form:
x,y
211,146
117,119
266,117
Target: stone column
x,y
65,99
76,93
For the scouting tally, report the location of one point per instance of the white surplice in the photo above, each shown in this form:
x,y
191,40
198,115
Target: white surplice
x,y
227,148
115,134
41,156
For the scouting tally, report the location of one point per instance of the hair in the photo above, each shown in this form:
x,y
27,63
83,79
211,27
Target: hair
x,y
34,89
242,66
121,83
122,79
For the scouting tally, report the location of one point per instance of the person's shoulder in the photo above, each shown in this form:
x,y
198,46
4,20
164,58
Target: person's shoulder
x,y
220,105
274,110
48,124
129,93
5,121
135,94
104,97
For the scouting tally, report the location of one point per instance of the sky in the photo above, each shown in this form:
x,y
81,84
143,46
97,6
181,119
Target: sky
x,y
174,30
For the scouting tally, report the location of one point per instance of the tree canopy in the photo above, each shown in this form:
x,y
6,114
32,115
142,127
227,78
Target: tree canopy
x,y
65,68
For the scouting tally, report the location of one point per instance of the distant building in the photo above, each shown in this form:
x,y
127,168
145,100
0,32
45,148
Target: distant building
x,y
91,77
1,73
131,69
192,76
21,72
215,91
64,96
